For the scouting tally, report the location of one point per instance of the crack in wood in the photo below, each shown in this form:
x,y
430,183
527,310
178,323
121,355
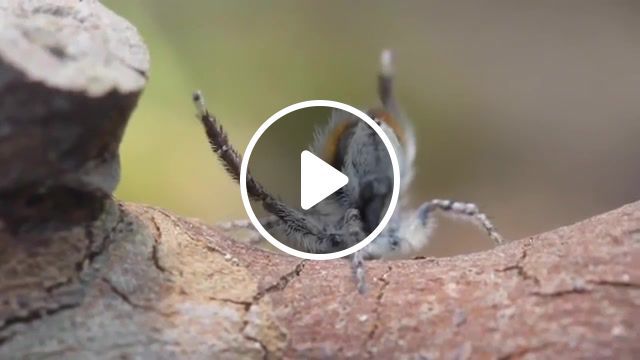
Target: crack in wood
x,y
615,284
155,258
376,321
282,282
32,316
127,299
524,351
279,285
519,268
89,256
562,292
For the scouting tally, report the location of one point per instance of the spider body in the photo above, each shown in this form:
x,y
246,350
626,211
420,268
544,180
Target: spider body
x,y
347,216
370,177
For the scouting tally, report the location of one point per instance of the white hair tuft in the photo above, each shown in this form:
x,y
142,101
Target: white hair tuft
x,y
386,62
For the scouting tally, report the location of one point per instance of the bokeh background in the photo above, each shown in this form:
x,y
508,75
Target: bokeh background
x,y
530,109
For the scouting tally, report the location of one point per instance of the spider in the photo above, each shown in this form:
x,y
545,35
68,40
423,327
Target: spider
x,y
345,218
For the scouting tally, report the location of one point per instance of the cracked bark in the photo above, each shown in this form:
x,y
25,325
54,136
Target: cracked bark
x,y
84,276
368,345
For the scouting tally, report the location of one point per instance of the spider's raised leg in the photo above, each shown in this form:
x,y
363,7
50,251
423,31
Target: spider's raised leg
x,y
230,158
396,118
305,233
385,81
463,210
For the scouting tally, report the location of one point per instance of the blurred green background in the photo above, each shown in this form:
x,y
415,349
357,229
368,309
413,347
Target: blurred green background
x,y
530,109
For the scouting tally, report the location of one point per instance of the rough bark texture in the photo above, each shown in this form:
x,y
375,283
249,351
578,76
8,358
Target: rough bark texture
x,y
141,282
84,276
70,74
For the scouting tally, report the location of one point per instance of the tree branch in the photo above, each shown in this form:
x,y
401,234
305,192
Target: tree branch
x,y
573,292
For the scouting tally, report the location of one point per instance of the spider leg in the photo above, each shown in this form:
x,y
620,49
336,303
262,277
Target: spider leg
x,y
406,133
267,222
235,224
353,228
357,265
230,158
253,237
301,231
464,210
305,232
352,225
385,81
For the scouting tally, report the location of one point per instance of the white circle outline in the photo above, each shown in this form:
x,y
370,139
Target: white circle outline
x,y
245,165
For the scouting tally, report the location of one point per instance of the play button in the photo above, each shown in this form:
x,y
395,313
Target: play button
x,y
307,192
317,180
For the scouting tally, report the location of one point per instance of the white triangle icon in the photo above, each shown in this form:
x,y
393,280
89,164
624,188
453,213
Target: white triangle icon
x,y
317,180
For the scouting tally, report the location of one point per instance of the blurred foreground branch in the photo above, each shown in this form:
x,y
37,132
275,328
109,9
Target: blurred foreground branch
x,y
84,276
